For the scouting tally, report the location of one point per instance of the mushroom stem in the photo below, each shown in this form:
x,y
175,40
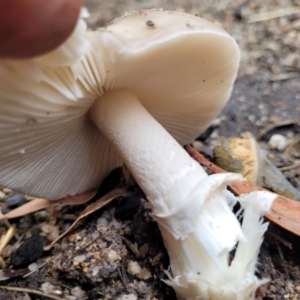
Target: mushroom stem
x,y
161,167
193,210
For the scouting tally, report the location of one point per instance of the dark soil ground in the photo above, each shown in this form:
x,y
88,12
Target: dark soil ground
x,y
118,252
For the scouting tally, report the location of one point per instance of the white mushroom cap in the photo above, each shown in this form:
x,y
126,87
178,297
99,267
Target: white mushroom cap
x,y
181,69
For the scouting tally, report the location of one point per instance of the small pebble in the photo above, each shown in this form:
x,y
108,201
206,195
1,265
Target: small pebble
x,y
215,134
74,238
78,292
290,135
95,271
14,201
48,288
64,244
133,267
32,267
52,232
197,145
95,235
218,121
97,255
102,222
106,214
80,258
144,274
128,297
112,256
2,195
251,118
58,292
141,288
278,141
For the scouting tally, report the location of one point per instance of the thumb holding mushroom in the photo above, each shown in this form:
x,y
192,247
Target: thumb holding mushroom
x,y
134,92
31,28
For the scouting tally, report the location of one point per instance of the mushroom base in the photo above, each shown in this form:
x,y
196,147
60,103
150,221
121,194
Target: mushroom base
x,y
197,274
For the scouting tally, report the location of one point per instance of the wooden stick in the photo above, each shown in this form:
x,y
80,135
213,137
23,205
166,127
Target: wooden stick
x,y
30,291
260,17
284,212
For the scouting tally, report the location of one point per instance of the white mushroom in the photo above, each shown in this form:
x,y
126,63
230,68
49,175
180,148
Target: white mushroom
x,y
133,92
179,72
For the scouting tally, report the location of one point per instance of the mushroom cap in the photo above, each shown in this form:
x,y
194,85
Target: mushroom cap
x,y
180,67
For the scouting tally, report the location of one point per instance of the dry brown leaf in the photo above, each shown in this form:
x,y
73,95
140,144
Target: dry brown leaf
x,y
6,274
243,155
40,203
115,193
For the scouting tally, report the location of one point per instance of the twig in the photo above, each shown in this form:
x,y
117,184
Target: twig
x,y
41,203
292,144
273,126
289,168
37,268
8,225
132,247
115,193
260,17
282,240
30,291
9,234
2,263
285,76
123,276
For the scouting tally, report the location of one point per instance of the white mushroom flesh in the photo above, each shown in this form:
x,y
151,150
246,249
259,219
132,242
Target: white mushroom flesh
x,y
134,93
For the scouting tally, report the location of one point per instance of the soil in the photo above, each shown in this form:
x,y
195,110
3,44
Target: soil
x,y
118,252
